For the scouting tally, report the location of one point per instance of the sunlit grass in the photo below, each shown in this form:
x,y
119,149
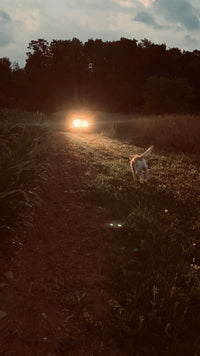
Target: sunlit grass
x,y
171,132
152,277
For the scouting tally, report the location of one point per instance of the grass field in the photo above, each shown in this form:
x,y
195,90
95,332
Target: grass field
x,y
152,266
153,259
168,132
23,165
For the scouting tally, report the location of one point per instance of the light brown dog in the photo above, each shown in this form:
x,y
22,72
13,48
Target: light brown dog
x,y
139,166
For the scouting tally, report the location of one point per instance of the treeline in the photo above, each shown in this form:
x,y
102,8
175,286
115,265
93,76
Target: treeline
x,y
120,76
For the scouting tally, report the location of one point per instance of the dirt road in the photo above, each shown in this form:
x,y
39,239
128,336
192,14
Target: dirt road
x,y
52,284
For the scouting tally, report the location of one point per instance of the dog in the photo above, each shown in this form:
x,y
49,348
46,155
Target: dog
x,y
139,166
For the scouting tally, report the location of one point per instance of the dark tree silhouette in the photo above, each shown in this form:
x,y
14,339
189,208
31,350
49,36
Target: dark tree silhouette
x,y
5,82
121,76
168,95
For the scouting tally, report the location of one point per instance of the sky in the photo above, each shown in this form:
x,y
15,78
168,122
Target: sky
x,y
173,22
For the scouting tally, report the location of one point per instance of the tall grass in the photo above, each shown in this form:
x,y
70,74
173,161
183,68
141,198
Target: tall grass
x,y
171,132
22,167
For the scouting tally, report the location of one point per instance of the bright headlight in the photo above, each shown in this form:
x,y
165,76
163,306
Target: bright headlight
x,y
77,123
84,123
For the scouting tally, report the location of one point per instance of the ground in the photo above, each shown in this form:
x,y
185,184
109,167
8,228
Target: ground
x,y
56,282
74,285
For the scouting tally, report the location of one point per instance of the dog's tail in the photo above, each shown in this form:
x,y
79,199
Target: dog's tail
x,y
147,152
133,171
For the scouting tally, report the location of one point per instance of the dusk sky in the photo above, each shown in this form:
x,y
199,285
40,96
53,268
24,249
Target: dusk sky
x,y
174,22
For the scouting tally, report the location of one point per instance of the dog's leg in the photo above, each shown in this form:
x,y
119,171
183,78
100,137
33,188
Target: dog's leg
x,y
145,171
146,174
141,175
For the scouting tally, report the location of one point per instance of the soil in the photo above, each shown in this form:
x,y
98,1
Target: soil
x,y
53,277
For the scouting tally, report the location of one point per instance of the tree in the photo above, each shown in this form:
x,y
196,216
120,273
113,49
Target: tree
x,y
115,75
5,82
168,95
37,71
69,68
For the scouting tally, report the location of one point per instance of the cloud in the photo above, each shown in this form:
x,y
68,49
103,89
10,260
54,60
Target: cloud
x,y
178,28
173,22
99,5
5,38
126,3
147,18
28,18
5,31
4,17
191,41
146,3
179,11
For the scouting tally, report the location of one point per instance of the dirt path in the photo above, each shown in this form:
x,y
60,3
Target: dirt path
x,y
52,284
